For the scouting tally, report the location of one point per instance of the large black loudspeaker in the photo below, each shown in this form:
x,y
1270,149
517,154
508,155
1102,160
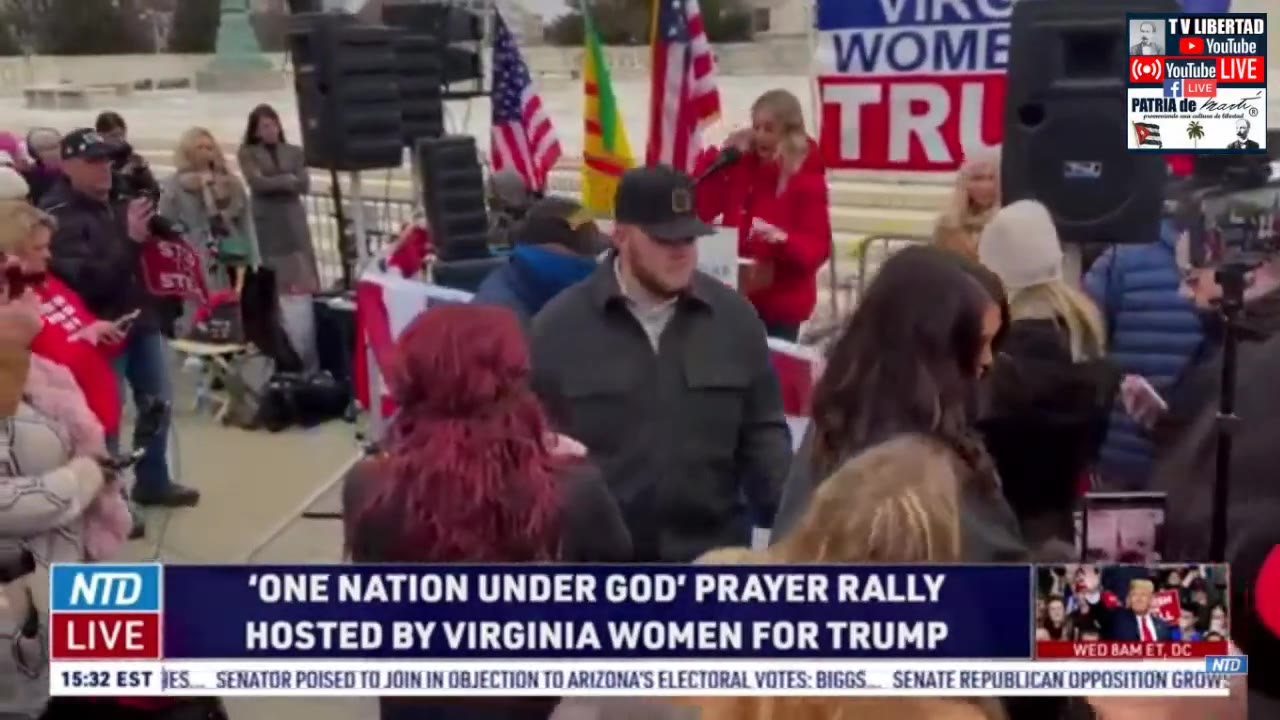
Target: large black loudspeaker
x,y
418,75
458,31
453,195
348,98
1065,122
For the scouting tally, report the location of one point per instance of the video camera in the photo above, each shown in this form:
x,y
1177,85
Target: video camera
x,y
1230,212
132,179
1233,216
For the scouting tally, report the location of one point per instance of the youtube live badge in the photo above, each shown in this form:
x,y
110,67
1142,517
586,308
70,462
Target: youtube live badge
x,y
1197,83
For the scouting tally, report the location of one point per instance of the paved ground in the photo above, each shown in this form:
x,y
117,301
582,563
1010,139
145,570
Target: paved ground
x,y
255,486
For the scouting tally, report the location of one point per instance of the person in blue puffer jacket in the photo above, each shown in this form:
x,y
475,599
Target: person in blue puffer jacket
x,y
1153,332
555,246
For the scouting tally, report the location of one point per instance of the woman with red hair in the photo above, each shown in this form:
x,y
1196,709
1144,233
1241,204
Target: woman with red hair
x,y
470,473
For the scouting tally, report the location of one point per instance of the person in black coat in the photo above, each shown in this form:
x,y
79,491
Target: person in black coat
x,y
1050,392
903,366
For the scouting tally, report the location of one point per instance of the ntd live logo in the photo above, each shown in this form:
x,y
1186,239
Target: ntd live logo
x,y
104,612
1226,664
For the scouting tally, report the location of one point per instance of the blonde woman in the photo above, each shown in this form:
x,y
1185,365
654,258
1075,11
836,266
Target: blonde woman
x,y
973,202
1051,391
776,196
896,502
1021,246
205,196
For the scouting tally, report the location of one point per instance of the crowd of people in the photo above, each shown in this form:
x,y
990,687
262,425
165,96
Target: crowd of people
x,y
80,323
959,414
603,401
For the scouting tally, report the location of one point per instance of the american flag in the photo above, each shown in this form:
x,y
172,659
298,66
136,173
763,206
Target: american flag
x,y
683,96
523,137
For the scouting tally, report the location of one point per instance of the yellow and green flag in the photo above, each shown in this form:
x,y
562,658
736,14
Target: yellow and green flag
x,y
605,150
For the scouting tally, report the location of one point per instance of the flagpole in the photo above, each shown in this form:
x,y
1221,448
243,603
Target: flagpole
x,y
815,111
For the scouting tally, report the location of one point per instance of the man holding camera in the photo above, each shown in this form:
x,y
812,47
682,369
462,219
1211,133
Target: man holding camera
x,y
96,250
1186,425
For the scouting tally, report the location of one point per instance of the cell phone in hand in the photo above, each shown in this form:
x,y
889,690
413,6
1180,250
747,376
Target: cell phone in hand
x,y
119,463
124,322
1123,527
1143,390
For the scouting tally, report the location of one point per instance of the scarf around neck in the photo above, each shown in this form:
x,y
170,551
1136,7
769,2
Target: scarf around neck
x,y
225,194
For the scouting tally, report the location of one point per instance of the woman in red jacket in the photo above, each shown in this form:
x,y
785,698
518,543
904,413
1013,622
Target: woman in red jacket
x,y
776,196
71,336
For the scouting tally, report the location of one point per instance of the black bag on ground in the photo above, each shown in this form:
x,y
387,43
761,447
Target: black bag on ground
x,y
275,392
305,400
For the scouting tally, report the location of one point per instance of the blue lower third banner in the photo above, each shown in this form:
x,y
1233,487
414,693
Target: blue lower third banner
x,y
596,612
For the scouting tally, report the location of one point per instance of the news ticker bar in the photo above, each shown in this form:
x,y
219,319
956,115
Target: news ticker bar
x,y
282,678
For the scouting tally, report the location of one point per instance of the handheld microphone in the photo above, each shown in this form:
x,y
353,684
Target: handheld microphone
x,y
727,157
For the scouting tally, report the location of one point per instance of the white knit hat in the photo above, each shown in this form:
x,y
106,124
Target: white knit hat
x,y
12,185
1021,246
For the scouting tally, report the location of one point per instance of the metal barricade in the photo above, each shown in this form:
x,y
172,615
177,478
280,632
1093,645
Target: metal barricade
x,y
889,245
384,219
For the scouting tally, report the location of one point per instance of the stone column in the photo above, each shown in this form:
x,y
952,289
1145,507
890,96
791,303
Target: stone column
x,y
239,63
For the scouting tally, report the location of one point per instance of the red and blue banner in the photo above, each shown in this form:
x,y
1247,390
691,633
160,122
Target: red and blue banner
x,y
561,630
916,85
511,612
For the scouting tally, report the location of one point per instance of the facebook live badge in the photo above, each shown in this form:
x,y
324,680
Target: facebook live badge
x,y
104,612
1197,83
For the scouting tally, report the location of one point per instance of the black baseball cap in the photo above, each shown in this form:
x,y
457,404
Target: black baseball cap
x,y
88,144
561,221
659,200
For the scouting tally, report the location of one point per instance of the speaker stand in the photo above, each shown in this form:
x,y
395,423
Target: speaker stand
x,y
415,176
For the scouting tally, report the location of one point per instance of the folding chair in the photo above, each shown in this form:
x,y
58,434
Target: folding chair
x,y
215,341
217,365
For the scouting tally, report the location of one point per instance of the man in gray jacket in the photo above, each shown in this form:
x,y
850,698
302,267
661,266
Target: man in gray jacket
x,y
664,373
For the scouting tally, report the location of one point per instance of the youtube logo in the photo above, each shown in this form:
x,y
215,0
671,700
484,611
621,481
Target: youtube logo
x,y
1191,46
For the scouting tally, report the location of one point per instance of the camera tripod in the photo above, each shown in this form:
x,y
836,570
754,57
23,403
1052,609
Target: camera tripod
x,y
1231,278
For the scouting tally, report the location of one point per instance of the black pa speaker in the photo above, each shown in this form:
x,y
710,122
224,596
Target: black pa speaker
x,y
458,30
348,96
1066,122
418,75
454,197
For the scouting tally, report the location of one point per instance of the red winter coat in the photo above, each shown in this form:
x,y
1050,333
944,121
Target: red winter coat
x,y
749,189
64,314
